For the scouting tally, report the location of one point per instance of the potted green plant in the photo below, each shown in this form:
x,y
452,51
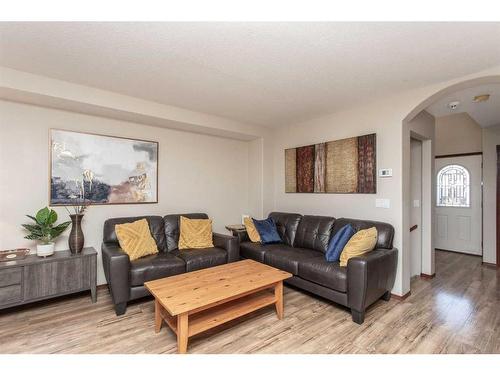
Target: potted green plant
x,y
44,230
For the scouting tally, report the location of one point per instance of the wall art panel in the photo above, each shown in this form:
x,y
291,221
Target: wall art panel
x,y
340,166
305,169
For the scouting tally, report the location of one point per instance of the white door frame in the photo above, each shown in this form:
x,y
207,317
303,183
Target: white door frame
x,y
427,204
416,147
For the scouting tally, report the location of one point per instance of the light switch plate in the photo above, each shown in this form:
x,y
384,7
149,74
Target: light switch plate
x,y
416,203
382,203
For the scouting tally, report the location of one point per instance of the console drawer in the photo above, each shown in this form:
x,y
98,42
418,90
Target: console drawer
x,y
10,276
10,294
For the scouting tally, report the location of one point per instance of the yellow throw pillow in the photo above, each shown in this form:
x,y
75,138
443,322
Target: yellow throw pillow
x,y
135,239
251,230
195,233
361,243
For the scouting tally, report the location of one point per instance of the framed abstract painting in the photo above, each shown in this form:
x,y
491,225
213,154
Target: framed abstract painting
x,y
342,166
101,169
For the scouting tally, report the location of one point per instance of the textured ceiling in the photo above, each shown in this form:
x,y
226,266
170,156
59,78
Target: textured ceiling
x,y
269,74
485,113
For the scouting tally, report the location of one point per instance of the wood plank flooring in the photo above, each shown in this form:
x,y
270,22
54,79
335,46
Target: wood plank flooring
x,y
456,312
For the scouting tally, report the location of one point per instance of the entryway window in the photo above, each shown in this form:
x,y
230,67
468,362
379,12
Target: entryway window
x,y
453,186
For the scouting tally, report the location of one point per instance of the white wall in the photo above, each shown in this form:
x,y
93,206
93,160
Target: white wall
x,y
200,173
49,92
255,178
491,138
457,134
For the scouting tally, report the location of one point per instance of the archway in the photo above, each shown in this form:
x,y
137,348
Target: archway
x,y
428,179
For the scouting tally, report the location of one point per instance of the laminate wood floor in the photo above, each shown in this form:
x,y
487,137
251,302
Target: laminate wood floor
x,y
456,312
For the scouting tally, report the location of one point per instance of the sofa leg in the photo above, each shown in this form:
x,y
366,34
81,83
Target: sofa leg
x,y
120,308
387,296
358,316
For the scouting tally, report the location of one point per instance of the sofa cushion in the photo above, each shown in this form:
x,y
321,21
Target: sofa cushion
x,y
197,259
253,235
288,258
314,232
154,267
155,223
135,239
338,242
171,228
361,243
328,274
256,251
268,232
287,224
385,231
195,233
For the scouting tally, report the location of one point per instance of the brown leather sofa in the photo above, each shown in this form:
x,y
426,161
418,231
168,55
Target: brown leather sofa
x,y
302,253
126,279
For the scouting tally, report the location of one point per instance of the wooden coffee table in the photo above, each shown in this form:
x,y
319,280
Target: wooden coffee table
x,y
196,301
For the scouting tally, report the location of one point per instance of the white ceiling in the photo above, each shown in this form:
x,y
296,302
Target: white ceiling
x,y
269,74
485,113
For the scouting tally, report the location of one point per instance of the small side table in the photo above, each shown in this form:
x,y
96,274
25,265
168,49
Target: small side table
x,y
34,278
234,228
238,230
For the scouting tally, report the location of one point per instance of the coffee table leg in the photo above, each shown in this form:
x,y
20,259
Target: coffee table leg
x,y
158,318
182,333
278,294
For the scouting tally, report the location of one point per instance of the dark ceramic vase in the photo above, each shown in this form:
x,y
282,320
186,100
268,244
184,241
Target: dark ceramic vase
x,y
76,238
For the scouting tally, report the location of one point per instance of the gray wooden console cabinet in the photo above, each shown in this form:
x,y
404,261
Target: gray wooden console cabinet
x,y
34,278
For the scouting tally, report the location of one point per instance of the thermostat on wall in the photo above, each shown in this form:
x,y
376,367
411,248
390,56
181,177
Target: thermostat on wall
x,y
385,172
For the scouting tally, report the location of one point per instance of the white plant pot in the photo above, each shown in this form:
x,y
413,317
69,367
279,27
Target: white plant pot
x,y
45,250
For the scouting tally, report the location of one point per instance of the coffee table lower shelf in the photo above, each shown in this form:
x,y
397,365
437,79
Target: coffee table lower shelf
x,y
191,323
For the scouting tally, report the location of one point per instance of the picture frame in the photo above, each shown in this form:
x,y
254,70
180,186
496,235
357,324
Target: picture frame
x,y
101,169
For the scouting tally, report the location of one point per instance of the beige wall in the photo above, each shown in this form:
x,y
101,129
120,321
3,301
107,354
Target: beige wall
x,y
457,134
384,118
389,117
196,173
379,118
491,138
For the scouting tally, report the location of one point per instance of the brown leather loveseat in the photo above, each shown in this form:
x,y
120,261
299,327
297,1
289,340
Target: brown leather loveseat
x,y
126,279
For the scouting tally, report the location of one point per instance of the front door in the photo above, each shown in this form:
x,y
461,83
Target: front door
x,y
459,204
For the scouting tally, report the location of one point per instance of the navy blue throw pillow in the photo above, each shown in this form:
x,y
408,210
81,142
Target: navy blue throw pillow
x,y
338,242
267,231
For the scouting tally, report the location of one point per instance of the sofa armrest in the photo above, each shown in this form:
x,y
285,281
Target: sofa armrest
x,y
229,243
116,264
370,276
243,236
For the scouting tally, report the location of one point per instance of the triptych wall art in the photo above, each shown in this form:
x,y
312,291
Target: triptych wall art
x,y
101,169
342,166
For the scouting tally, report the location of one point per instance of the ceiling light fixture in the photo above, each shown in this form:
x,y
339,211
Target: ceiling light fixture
x,y
481,98
453,105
